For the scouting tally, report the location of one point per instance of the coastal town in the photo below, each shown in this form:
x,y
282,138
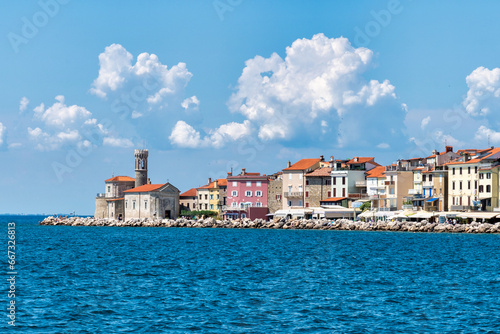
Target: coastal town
x,y
445,186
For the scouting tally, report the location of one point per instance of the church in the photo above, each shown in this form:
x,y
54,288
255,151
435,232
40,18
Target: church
x,y
126,197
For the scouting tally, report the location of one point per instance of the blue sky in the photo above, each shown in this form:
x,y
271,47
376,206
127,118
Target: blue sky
x,y
210,85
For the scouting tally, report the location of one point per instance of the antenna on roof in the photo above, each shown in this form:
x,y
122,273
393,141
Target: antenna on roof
x,y
488,140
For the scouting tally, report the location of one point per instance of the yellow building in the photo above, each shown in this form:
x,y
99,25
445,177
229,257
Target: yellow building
x,y
212,196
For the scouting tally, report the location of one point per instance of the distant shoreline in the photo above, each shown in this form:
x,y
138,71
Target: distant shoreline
x,y
303,224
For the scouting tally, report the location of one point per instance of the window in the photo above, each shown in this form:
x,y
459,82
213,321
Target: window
x,y
307,193
475,169
206,197
234,183
248,193
488,188
334,192
289,203
300,176
133,205
188,205
258,204
343,192
211,206
460,170
249,183
468,184
453,185
488,175
424,177
468,170
307,182
290,176
300,203
460,185
200,197
430,178
259,183
391,191
453,170
278,197
109,189
343,179
126,204
307,205
145,204
258,193
328,182
211,196
234,204
234,193
475,184
481,189
243,215
206,206
334,180
481,176
329,194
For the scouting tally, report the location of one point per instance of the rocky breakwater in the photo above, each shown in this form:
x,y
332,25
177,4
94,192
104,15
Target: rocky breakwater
x,y
302,224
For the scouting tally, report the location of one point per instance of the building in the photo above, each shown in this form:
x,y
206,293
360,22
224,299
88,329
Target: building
x,y
318,186
375,186
348,177
188,200
127,198
211,197
203,194
247,196
294,181
275,192
398,181
473,181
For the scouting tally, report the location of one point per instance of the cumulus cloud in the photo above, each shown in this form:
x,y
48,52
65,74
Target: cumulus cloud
x,y
117,142
425,122
320,79
191,102
23,104
184,135
53,141
485,135
2,134
61,115
483,95
147,83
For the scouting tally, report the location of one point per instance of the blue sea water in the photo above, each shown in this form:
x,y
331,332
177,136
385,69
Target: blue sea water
x,y
148,280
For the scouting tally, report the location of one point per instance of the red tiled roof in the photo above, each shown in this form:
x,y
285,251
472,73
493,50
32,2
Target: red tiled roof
x,y
120,179
303,164
377,172
323,171
190,193
116,199
361,160
333,199
222,182
491,152
145,188
211,185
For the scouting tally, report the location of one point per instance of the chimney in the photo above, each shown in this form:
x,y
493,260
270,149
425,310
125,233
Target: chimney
x,y
229,174
466,157
216,183
330,163
289,164
321,158
449,149
149,180
243,171
209,180
435,152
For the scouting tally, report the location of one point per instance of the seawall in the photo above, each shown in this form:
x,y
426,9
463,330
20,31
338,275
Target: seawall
x,y
303,224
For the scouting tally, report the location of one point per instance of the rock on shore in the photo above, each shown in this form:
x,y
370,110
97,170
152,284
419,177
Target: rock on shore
x,y
302,224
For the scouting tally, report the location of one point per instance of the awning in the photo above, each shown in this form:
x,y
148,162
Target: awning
x,y
424,215
432,200
366,214
386,213
478,215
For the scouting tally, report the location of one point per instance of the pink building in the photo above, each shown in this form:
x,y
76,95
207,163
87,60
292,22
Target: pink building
x,y
246,196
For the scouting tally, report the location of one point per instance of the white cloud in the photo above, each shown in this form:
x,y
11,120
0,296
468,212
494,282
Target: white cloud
x,y
190,102
117,142
383,145
485,135
319,79
61,115
147,83
49,142
23,104
184,135
425,122
483,95
3,130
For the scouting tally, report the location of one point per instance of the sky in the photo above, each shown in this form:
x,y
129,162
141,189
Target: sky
x,y
219,85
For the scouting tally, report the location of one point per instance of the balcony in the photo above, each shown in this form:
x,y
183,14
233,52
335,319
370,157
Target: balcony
x,y
357,195
389,183
361,183
381,196
294,194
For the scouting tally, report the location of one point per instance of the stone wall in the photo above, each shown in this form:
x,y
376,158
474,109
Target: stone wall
x,y
317,190
274,189
101,208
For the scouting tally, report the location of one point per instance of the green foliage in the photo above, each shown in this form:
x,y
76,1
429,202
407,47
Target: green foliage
x,y
366,206
198,214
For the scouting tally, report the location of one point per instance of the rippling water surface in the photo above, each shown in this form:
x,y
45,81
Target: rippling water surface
x,y
145,280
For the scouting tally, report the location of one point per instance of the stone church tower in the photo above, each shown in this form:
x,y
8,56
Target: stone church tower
x,y
141,167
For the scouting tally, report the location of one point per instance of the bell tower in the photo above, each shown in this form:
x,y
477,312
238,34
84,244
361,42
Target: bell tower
x,y
141,167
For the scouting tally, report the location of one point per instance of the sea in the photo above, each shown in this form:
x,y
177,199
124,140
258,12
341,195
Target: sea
x,y
187,280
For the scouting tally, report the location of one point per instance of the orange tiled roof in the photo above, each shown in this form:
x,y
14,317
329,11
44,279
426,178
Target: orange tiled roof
x,y
323,171
190,193
211,185
116,199
490,152
222,182
378,172
145,188
120,179
361,160
333,199
303,164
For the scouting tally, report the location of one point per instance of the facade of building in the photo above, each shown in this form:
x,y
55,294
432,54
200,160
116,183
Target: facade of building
x,y
152,201
397,183
318,186
375,186
245,191
188,200
349,180
294,181
275,192
109,203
